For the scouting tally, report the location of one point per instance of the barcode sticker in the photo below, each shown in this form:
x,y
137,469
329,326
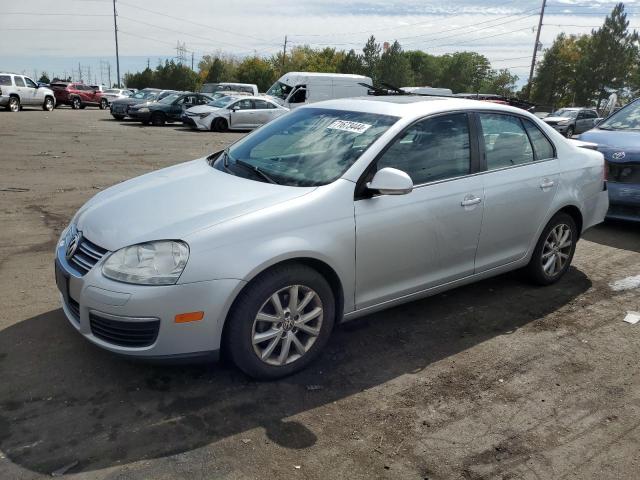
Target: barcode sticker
x,y
347,126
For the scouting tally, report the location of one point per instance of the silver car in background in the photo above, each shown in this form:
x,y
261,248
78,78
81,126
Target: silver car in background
x,y
112,94
233,113
330,212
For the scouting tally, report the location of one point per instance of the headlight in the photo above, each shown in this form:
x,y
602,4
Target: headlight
x,y
152,263
203,115
143,110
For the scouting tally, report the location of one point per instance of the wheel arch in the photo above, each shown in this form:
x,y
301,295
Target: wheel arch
x,y
574,212
322,267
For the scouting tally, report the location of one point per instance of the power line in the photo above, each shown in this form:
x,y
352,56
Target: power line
x,y
41,14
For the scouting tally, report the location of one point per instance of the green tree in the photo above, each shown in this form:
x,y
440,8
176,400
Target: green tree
x,y
394,67
351,63
44,78
256,70
464,71
609,60
371,58
501,82
426,69
217,68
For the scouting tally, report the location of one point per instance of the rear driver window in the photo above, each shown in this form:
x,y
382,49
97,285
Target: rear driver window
x,y
542,147
19,81
5,80
505,141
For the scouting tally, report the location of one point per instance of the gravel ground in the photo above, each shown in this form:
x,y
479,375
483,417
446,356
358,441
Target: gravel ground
x,y
494,380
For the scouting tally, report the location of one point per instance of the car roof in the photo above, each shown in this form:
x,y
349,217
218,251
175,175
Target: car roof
x,y
411,105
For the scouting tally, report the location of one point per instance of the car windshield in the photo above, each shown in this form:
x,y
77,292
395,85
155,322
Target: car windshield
x,y
222,102
307,147
563,112
170,98
144,95
279,90
627,118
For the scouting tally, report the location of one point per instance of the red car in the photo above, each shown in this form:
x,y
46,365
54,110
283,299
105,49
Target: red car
x,y
78,95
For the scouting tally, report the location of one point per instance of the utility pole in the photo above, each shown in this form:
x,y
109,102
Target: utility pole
x,y
284,53
191,60
535,48
115,30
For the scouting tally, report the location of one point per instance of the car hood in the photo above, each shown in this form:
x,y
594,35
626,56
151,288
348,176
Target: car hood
x,y
202,109
555,119
617,139
173,203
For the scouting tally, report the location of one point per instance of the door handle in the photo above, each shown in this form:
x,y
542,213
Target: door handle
x,y
546,183
470,200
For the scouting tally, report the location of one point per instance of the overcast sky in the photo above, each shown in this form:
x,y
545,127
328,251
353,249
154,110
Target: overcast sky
x,y
41,35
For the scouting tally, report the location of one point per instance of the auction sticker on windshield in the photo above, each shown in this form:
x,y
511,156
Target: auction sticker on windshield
x,y
347,126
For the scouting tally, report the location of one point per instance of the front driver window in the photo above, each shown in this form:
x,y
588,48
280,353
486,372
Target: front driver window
x,y
505,141
243,105
30,82
432,149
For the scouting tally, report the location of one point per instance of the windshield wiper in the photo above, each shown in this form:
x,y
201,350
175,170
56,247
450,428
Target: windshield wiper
x,y
254,169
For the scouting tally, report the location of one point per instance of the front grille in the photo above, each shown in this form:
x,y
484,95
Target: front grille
x,y
86,256
551,122
622,173
124,333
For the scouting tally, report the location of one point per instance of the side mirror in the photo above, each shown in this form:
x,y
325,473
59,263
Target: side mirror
x,y
391,181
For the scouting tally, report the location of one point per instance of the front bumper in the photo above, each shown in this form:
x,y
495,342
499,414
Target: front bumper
x,y
197,122
121,317
560,128
624,201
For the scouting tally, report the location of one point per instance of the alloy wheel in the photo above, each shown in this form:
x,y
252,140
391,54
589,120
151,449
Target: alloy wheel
x,y
48,105
287,325
14,104
557,249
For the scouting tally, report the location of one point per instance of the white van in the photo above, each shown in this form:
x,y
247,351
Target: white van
x,y
443,92
297,88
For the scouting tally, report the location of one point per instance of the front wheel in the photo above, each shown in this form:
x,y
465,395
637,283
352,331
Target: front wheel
x,y
280,322
157,119
76,103
219,125
118,117
48,104
570,132
554,251
103,104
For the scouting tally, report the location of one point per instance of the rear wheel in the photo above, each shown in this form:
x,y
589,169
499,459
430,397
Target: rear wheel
x,y
76,103
14,104
280,322
103,104
220,125
554,251
48,104
157,119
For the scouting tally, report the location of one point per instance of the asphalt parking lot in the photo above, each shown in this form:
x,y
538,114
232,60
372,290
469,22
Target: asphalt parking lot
x,y
494,380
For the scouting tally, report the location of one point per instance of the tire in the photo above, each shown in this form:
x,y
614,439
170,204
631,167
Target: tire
x,y
279,330
14,104
104,104
118,117
219,125
157,119
550,249
570,131
48,104
76,103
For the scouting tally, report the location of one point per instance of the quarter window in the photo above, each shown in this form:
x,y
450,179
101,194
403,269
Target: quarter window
x,y
432,149
505,141
19,81
542,147
5,80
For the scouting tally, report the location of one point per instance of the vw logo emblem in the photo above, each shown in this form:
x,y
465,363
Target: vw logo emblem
x,y
72,244
618,155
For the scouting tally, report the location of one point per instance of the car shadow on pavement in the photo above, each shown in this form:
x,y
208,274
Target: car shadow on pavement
x,y
62,400
616,234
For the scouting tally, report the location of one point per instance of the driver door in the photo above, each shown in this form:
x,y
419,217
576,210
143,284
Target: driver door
x,y
31,93
241,114
428,237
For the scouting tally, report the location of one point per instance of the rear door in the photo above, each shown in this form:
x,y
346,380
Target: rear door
x,y
520,183
428,237
264,112
21,89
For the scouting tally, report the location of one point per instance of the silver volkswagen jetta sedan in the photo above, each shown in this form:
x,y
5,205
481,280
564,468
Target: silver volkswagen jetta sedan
x,y
333,211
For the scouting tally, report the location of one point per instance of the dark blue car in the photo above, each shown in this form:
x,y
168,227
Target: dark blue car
x,y
618,138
